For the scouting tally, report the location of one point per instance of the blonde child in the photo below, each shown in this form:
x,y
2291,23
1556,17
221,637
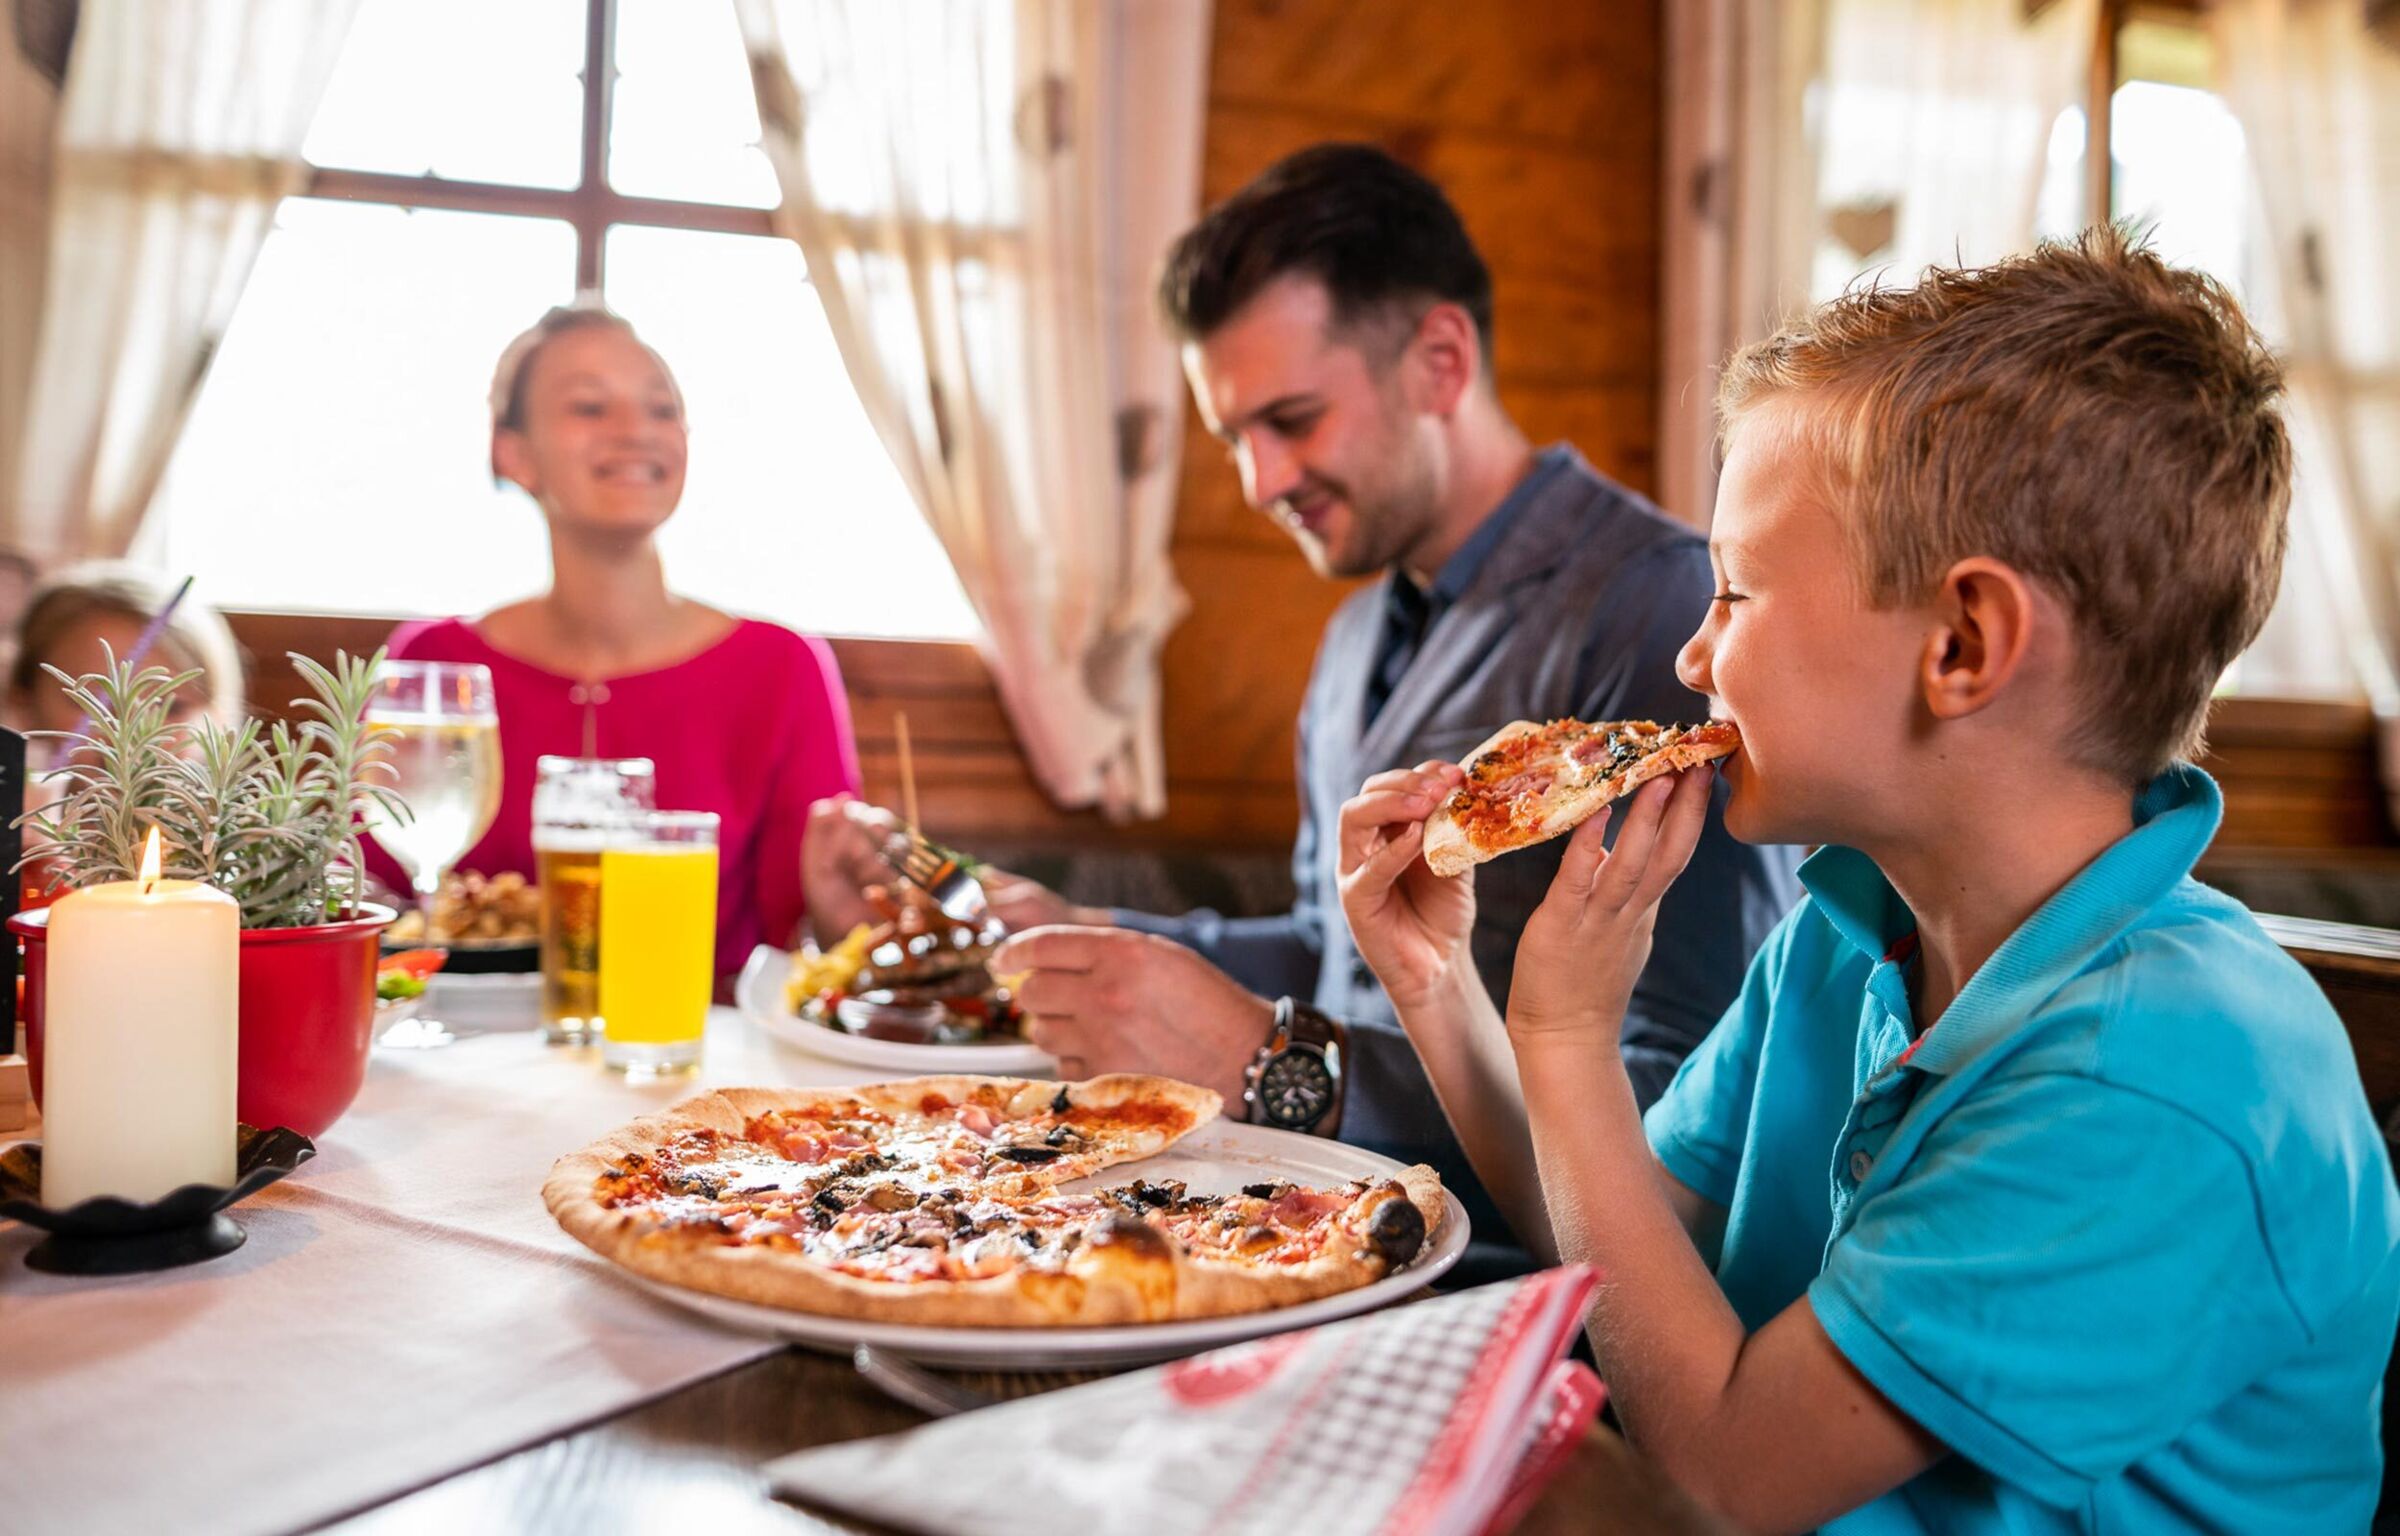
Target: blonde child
x,y
2027,1185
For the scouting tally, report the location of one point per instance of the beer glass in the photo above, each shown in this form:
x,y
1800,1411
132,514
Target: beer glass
x,y
658,940
576,801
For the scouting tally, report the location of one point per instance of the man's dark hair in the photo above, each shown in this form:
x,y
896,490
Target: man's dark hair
x,y
1380,237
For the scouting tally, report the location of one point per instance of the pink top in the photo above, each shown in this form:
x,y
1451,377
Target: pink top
x,y
755,728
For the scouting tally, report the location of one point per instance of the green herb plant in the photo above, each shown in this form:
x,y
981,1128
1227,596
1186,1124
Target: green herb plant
x,y
269,817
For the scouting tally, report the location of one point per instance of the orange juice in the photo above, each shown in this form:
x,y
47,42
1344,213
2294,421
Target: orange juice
x,y
658,936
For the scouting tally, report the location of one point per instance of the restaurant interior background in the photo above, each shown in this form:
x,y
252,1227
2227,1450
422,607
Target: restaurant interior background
x,y
257,257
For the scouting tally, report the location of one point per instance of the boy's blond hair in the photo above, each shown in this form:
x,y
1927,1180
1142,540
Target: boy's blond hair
x,y
2096,418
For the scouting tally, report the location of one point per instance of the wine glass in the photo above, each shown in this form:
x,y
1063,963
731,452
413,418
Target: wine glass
x,y
442,739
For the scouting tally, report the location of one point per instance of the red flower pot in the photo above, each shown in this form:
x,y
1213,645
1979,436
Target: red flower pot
x,y
307,1016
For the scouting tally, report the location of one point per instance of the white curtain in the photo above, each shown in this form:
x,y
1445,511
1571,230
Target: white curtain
x,y
1741,215
178,133
1937,122
28,124
983,190
2318,96
1812,141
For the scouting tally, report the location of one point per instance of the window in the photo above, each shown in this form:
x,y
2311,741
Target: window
x,y
2180,171
337,457
1898,145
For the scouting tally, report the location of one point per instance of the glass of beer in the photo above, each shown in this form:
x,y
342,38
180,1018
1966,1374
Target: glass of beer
x,y
576,801
658,940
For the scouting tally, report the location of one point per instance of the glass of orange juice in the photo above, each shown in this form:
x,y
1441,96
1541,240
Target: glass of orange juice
x,y
658,940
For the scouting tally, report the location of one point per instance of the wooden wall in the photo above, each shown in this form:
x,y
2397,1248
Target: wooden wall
x,y
1541,119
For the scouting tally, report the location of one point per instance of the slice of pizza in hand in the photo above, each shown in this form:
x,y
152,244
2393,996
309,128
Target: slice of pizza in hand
x,y
1533,782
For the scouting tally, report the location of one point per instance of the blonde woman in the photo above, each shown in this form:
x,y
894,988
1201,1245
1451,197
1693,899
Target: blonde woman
x,y
742,717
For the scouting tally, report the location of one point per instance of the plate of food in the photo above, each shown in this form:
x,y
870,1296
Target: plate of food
x,y
910,993
488,923
401,980
1011,1222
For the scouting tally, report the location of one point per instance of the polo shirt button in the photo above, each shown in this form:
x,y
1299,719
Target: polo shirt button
x,y
1860,1166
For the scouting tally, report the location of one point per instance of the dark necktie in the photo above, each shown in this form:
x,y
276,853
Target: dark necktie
x,y
1406,612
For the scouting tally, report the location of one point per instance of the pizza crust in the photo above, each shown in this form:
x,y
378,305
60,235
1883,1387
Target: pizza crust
x,y
1450,851
1126,1272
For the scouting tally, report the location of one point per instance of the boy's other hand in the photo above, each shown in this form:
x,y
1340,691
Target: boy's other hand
x,y
1585,945
1410,924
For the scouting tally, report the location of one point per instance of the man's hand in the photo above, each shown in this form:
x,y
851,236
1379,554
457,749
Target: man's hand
x,y
1112,1000
1021,904
1409,923
841,855
1585,945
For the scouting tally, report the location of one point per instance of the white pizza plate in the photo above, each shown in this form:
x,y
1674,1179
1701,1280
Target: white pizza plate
x,y
494,1001
1217,1159
759,994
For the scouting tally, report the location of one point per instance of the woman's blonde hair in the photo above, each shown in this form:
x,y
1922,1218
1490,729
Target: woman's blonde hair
x,y
196,637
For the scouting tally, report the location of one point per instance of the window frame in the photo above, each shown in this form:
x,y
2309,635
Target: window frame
x,y
2100,90
591,207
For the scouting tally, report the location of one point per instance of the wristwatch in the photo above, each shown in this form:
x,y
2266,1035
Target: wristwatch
x,y
1295,1081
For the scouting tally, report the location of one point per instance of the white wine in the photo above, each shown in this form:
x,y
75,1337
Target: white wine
x,y
448,770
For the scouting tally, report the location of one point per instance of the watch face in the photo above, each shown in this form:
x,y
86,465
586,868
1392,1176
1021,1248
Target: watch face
x,y
1295,1090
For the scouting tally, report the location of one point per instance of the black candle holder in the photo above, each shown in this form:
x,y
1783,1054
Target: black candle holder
x,y
108,1236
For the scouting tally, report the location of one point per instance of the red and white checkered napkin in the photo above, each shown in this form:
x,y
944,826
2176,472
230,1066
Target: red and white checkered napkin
x,y
1439,1419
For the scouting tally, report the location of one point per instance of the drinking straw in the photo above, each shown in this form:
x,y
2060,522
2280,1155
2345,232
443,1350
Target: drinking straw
x,y
908,776
141,645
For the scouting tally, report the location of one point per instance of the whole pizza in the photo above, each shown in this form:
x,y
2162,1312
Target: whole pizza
x,y
947,1201
1531,782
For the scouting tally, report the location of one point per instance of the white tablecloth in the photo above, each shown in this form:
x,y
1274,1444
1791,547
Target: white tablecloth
x,y
404,1309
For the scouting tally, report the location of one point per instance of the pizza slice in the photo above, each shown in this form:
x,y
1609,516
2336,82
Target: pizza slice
x,y
1533,782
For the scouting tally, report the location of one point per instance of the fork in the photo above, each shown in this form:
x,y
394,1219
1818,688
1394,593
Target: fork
x,y
907,1382
939,873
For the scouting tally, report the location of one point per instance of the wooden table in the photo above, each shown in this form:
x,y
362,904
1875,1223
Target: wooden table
x,y
690,1461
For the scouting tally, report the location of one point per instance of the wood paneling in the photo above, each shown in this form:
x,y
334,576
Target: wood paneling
x,y
2297,774
972,778
1501,68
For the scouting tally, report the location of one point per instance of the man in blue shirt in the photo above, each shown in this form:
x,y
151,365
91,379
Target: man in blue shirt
x,y
2027,1186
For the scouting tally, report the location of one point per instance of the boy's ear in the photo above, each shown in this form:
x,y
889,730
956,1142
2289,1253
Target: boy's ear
x,y
1984,618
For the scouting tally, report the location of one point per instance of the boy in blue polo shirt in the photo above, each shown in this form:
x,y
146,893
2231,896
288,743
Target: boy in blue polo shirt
x,y
2027,1186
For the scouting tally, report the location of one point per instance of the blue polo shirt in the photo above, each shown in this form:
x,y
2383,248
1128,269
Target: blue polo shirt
x,y
2119,1230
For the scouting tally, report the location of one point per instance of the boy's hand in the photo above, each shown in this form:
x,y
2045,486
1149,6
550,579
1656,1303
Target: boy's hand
x,y
1586,943
1410,924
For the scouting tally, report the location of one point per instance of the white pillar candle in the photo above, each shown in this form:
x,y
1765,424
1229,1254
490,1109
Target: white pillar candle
x,y
141,1039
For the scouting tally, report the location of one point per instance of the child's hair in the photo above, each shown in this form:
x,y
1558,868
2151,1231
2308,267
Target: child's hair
x,y
196,637
2096,418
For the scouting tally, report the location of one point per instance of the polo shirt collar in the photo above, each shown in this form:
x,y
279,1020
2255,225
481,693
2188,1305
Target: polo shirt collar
x,y
2174,818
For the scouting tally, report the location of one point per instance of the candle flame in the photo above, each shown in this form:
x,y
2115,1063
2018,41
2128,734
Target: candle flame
x,y
150,862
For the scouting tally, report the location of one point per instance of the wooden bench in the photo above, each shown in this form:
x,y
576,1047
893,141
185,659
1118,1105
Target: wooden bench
x,y
2359,970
